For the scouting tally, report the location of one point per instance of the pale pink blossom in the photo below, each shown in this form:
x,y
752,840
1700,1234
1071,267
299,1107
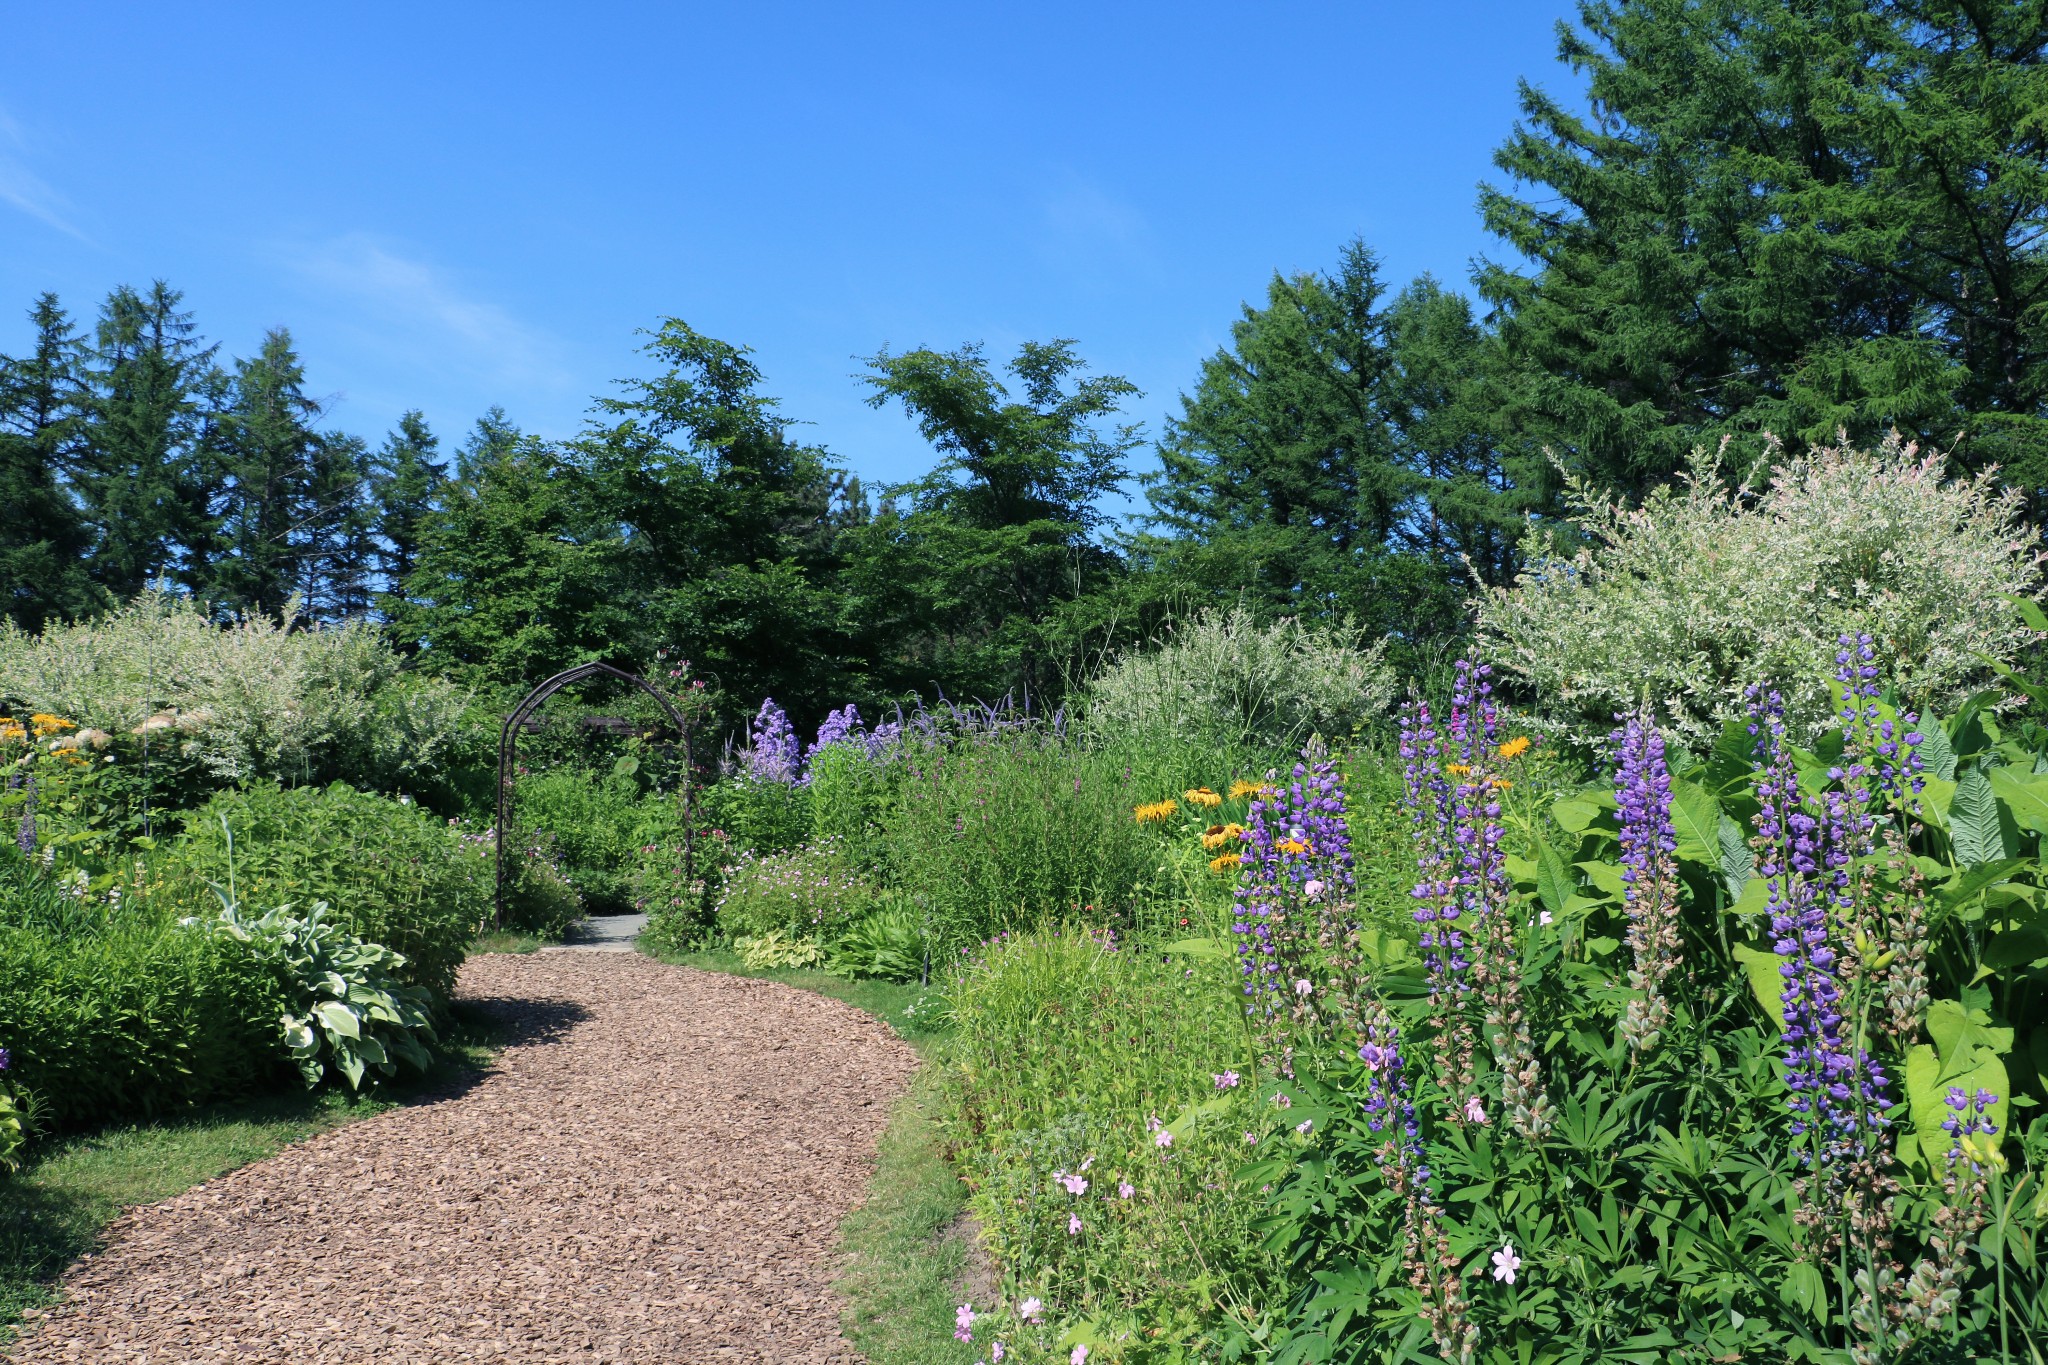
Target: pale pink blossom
x,y
1474,1110
1076,1186
1077,1356
1506,1263
1303,1127
1303,988
1163,1138
1073,1225
1226,1080
1125,1189
963,1322
1030,1309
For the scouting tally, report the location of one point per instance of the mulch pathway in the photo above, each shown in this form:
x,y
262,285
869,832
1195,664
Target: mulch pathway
x,y
654,1170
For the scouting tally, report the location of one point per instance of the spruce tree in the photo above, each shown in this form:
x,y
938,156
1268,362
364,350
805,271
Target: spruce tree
x,y
270,511
43,536
143,476
1801,217
406,481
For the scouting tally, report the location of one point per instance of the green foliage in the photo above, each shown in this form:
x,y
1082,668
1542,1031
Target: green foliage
x,y
1702,590
849,792
593,824
747,816
345,1005
1799,219
810,892
775,950
1340,457
1072,1056
953,577
12,1132
1221,681
111,1006
395,875
539,897
1013,827
887,944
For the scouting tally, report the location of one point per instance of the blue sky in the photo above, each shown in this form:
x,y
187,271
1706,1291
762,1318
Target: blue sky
x,y
454,205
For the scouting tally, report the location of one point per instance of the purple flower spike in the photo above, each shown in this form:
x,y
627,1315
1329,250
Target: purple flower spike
x,y
771,754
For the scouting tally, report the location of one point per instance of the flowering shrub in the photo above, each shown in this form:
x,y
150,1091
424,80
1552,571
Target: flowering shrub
x,y
1706,588
1220,679
12,1131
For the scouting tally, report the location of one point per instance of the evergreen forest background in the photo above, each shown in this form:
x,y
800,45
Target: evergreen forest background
x,y
1787,218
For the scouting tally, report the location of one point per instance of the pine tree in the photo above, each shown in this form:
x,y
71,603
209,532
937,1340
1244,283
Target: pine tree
x,y
337,539
406,483
143,477
270,511
1800,218
43,537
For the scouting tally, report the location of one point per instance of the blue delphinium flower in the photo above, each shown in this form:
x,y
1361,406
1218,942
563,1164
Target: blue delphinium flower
x,y
771,754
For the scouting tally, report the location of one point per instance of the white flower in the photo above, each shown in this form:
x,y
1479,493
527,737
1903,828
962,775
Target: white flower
x,y
1303,988
1543,917
1030,1309
1303,1127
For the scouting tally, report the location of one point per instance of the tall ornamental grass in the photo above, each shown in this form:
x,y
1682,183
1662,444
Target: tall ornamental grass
x,y
1708,586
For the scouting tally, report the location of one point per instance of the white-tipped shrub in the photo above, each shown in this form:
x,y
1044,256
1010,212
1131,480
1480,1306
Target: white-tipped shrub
x,y
1707,586
1220,678
257,697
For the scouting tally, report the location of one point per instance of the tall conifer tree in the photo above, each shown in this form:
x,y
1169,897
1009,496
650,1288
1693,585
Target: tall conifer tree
x,y
43,536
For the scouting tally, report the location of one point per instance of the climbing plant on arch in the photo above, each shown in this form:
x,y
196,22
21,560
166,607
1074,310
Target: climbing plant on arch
x,y
508,756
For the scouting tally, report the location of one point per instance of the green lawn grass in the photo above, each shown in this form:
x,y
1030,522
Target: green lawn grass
x,y
55,1208
906,1250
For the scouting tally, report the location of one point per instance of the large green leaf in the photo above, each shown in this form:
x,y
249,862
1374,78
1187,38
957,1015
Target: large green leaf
x,y
1973,820
1969,882
1928,1080
1573,814
1955,1028
1605,876
1935,751
1200,947
1696,817
1766,979
2037,1050
2017,947
1738,860
2026,797
338,1018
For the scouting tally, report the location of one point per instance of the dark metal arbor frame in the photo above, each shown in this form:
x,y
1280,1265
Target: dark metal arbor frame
x,y
508,752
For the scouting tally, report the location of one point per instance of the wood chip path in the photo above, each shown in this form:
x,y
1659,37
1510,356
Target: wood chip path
x,y
654,1170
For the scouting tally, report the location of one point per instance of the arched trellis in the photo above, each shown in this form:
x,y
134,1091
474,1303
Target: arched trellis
x,y
508,753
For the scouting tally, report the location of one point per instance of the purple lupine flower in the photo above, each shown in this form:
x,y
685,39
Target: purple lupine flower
x,y
6,1059
1295,835
1970,1114
1838,1090
771,754
1649,842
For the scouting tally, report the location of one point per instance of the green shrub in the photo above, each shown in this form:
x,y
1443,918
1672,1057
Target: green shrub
x,y
675,891
1012,828
775,949
756,816
392,873
809,892
113,1007
849,792
1222,681
539,898
597,823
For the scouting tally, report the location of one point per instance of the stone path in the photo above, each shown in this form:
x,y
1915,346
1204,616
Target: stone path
x,y
654,1171
602,934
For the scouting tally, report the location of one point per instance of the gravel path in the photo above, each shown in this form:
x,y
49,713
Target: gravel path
x,y
654,1171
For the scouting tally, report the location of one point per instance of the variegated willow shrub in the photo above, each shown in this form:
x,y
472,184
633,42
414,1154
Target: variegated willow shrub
x,y
1737,1056
1709,586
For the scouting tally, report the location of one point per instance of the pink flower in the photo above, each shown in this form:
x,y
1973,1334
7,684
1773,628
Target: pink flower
x,y
1474,1110
1506,1263
1226,1080
1076,1186
1543,917
1086,1162
1312,889
1163,1138
1073,1225
1077,1356
1303,988
1125,1189
995,1353
1303,1127
1250,1136
1030,1309
1280,1100
963,1322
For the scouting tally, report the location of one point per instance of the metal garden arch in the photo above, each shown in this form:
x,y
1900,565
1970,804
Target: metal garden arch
x,y
508,750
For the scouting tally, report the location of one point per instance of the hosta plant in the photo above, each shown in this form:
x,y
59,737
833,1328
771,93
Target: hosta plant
x,y
348,1008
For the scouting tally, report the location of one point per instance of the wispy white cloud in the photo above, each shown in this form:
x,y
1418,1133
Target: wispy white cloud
x,y
24,190
1084,226
420,310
